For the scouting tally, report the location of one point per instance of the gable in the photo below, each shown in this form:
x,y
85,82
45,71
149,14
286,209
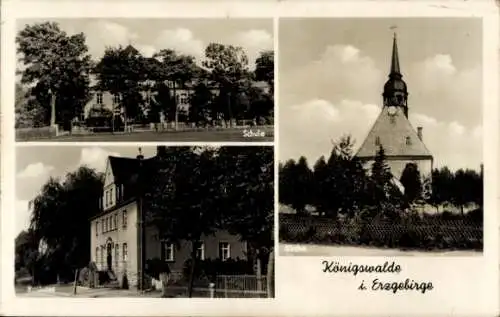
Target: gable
x,y
393,133
108,174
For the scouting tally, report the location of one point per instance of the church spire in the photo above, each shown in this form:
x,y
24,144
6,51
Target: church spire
x,y
395,58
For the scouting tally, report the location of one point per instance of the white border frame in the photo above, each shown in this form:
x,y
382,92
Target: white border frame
x,y
345,304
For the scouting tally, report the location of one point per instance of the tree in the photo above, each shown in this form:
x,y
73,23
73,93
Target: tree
x,y
57,65
121,72
26,252
201,103
295,184
58,213
178,69
381,176
264,68
248,197
286,182
180,195
228,67
465,188
410,179
442,180
321,179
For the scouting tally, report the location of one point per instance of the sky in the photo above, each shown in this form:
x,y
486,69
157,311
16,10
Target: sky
x,y
36,164
332,73
188,36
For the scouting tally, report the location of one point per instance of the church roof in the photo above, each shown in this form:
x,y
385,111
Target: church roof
x,y
392,132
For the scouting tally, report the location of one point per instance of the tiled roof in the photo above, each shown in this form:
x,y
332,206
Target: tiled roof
x,y
392,134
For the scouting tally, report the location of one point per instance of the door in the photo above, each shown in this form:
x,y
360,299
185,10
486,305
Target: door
x,y
109,256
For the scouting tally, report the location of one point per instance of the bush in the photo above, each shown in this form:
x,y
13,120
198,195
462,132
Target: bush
x,y
154,267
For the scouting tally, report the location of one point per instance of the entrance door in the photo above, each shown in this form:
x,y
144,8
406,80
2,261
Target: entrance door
x,y
109,257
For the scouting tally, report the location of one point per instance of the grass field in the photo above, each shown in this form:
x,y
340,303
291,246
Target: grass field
x,y
186,136
287,249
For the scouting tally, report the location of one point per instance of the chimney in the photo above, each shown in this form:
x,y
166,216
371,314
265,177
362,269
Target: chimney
x,y
140,156
419,133
161,150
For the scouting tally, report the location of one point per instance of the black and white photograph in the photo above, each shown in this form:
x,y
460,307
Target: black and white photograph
x,y
380,149
153,222
126,79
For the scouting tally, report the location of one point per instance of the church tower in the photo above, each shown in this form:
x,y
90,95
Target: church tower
x,y
393,131
395,91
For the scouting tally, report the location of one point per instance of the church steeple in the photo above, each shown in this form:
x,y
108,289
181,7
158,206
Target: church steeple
x,y
395,58
395,92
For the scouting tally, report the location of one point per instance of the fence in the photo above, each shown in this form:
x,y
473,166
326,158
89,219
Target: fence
x,y
422,233
241,286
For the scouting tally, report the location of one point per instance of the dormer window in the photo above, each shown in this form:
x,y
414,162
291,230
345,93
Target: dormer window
x,y
377,141
408,140
99,98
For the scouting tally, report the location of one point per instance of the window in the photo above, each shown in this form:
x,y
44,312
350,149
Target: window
x,y
125,252
111,196
200,251
183,99
124,219
408,140
117,254
106,224
168,249
102,256
102,225
116,99
224,251
377,141
99,98
115,222
106,199
96,259
97,228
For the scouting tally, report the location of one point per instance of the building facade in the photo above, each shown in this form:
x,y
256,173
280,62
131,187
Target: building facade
x,y
402,143
116,230
106,101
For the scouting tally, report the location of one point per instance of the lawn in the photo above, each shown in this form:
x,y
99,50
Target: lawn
x,y
186,136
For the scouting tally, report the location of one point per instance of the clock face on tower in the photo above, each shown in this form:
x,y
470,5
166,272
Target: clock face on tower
x,y
392,110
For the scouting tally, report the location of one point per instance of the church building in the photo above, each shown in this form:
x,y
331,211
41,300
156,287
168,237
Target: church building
x,y
402,143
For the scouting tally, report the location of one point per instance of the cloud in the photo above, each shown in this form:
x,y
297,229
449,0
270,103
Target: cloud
x,y
437,85
183,41
309,128
35,170
102,34
253,42
95,157
341,72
